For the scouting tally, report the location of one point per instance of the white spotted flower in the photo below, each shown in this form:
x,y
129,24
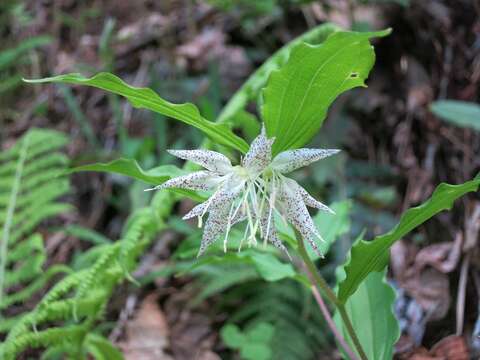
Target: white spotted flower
x,y
254,191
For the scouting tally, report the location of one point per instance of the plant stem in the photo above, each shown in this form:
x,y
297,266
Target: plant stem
x,y
331,323
323,288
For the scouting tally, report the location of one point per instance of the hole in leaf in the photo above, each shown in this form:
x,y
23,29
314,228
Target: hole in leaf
x,y
354,75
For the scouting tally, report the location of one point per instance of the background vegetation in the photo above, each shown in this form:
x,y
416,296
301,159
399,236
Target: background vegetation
x,y
99,247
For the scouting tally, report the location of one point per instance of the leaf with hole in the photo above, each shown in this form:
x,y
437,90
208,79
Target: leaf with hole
x,y
297,96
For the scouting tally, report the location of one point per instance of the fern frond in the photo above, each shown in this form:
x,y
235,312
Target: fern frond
x,y
287,305
63,288
299,326
38,284
232,275
30,184
82,296
55,311
101,348
96,273
41,339
142,228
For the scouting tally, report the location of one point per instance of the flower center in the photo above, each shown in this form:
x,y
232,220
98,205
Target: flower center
x,y
244,173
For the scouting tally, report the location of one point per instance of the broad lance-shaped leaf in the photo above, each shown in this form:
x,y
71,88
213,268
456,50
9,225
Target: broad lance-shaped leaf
x,y
132,169
148,99
367,257
370,309
298,95
256,81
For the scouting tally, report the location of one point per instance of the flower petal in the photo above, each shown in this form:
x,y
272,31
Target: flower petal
x,y
270,233
219,211
198,210
309,200
210,160
199,180
216,224
238,218
290,160
297,213
260,153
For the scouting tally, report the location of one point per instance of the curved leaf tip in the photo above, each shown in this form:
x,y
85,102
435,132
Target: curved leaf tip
x,y
372,256
148,99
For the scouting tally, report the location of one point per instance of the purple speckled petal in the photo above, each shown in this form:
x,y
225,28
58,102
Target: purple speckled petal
x,y
297,213
219,211
290,160
269,232
309,200
200,180
238,218
210,160
260,154
198,210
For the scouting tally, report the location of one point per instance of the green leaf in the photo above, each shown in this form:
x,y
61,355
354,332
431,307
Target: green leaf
x,y
101,348
252,87
298,95
10,57
232,337
370,309
270,268
86,234
262,332
253,344
130,168
367,257
256,351
460,113
267,265
148,99
332,226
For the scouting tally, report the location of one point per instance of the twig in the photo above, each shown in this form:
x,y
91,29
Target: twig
x,y
462,287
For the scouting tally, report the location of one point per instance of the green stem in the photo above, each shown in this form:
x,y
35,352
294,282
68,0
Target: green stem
x,y
324,289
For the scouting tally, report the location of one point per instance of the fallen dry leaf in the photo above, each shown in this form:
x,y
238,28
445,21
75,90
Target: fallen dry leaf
x,y
147,334
444,256
426,285
450,348
211,45
191,333
424,289
421,273
431,289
